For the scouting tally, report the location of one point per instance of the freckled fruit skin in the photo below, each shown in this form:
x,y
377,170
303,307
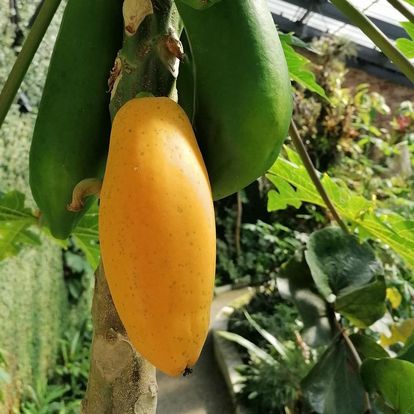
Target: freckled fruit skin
x,y
157,232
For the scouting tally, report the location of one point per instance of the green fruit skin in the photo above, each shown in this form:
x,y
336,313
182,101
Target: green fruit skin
x,y
71,134
242,89
200,4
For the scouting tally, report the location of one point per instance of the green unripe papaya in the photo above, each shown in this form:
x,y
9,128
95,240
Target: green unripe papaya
x,y
200,4
243,98
72,129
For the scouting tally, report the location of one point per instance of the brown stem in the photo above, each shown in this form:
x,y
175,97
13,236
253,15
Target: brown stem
x,y
120,380
357,358
82,190
238,223
307,162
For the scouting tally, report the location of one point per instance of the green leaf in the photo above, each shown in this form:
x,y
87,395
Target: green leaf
x,y
295,283
299,70
365,215
393,379
409,28
339,263
15,221
253,349
86,236
333,386
367,347
363,305
410,2
406,46
12,208
200,4
278,346
407,353
291,39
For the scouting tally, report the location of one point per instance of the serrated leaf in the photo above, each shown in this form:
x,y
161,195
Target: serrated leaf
x,y
12,208
293,40
339,263
333,385
86,236
15,221
299,70
409,28
253,349
363,305
295,283
367,347
365,215
406,46
393,379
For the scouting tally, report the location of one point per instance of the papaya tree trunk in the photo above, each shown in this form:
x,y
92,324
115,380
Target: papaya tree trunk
x,y
120,380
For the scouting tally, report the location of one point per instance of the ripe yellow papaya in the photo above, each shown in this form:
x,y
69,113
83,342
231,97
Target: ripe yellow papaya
x,y
157,232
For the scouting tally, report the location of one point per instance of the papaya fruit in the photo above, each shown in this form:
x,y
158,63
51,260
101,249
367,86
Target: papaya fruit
x,y
243,98
71,134
200,4
157,232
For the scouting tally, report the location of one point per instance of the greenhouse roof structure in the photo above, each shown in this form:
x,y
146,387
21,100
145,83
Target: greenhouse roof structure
x,y
310,18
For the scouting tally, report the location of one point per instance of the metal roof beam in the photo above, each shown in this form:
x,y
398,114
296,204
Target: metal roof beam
x,y
369,60
329,10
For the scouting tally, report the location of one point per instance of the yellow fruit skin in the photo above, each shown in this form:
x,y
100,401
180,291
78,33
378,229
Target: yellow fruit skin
x,y
157,232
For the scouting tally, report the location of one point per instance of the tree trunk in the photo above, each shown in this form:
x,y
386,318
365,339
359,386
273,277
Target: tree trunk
x,y
120,380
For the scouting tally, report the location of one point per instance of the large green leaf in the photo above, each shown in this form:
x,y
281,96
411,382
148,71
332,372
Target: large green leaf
x,y
334,386
86,236
293,187
299,67
15,221
295,283
339,263
393,379
363,305
367,347
407,353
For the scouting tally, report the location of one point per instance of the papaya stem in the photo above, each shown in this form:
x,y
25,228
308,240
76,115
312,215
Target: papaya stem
x,y
403,9
377,36
149,58
25,56
82,190
313,174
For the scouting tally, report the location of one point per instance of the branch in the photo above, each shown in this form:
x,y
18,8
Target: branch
x,y
403,9
377,36
356,357
313,174
238,223
25,57
148,61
